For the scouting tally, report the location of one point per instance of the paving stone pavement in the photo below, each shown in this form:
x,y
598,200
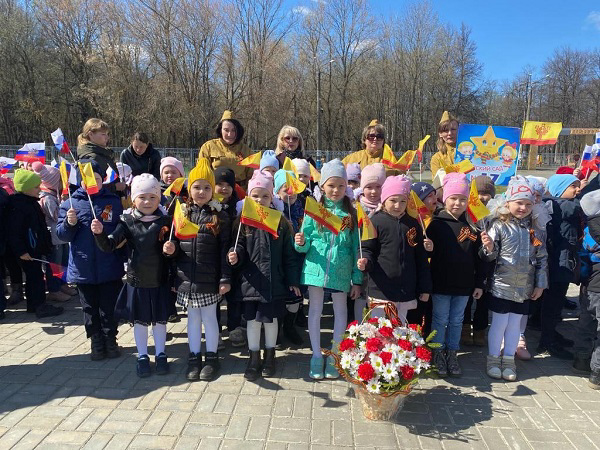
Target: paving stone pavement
x,y
53,396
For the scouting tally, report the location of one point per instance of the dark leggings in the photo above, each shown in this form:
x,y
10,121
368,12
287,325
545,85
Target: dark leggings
x,y
480,318
98,303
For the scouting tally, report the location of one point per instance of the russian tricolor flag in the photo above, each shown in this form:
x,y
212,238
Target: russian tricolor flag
x,y
597,141
32,152
587,153
59,141
6,164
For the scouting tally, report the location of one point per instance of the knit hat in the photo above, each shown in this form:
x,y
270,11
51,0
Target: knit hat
x,y
422,189
280,179
353,172
268,159
25,180
302,166
202,171
144,184
398,185
171,161
373,173
485,185
557,184
49,175
438,179
224,174
260,180
590,203
333,168
455,183
519,189
538,184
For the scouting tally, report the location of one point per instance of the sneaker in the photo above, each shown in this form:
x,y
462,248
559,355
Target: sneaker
x,y
237,338
46,310
594,380
316,368
509,368
493,364
555,350
439,361
221,344
330,370
522,353
174,318
479,338
69,290
143,366
161,364
454,369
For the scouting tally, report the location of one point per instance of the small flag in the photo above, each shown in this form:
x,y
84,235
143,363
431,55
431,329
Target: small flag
x,y
32,152
252,161
257,216
294,186
64,176
420,148
175,187
597,141
59,141
184,229
540,133
6,164
465,166
416,208
388,158
314,173
288,165
405,161
368,229
475,208
587,153
88,178
323,216
58,271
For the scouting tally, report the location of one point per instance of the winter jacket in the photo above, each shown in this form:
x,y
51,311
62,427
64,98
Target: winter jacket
x,y
456,268
330,260
202,261
221,154
87,263
364,158
147,266
297,215
4,197
103,156
396,259
50,205
439,161
521,259
565,232
27,232
148,162
267,266
591,243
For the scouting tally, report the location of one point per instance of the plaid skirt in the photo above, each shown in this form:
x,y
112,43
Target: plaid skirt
x,y
196,300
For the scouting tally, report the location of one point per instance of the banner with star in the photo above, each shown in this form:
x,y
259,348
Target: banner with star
x,y
493,150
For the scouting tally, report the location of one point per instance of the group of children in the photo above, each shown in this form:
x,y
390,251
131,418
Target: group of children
x,y
432,270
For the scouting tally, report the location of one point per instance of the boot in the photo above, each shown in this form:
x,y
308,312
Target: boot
x,y
253,369
16,294
493,365
581,364
289,329
522,352
439,361
479,338
211,367
98,349
454,369
269,365
194,367
112,347
509,368
594,381
466,336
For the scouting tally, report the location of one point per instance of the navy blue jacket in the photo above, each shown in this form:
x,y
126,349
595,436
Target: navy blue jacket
x,y
87,263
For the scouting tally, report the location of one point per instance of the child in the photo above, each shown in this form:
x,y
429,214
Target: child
x,y
353,172
202,270
455,270
97,274
225,187
29,238
426,193
330,264
518,246
268,271
396,258
371,180
141,156
303,172
269,162
144,299
170,169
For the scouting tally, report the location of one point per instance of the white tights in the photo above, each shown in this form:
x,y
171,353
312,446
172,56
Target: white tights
x,y
315,310
507,327
253,331
207,316
140,333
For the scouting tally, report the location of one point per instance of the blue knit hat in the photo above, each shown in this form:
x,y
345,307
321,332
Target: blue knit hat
x,y
422,189
280,179
268,159
557,184
333,168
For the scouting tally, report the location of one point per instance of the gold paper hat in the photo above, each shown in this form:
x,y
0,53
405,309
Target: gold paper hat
x,y
445,117
373,123
227,115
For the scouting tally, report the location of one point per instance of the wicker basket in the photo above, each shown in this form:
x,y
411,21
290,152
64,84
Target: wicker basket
x,y
379,407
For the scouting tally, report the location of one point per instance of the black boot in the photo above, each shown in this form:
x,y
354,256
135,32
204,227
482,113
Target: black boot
x,y
594,381
194,367
581,364
98,349
289,329
269,365
253,368
112,347
211,367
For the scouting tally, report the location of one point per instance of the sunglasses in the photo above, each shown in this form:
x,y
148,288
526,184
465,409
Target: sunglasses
x,y
291,138
373,137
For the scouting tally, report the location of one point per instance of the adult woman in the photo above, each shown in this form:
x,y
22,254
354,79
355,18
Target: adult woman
x,y
446,143
227,149
141,156
290,144
373,141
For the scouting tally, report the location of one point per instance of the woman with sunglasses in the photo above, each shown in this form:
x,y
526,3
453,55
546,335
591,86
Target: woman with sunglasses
x,y
446,143
373,141
291,144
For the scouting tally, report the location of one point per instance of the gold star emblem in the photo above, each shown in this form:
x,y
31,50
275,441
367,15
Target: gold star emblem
x,y
488,144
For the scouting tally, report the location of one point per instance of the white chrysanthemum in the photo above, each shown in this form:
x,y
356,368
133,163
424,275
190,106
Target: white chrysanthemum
x,y
383,322
373,386
377,363
389,373
353,330
390,348
346,361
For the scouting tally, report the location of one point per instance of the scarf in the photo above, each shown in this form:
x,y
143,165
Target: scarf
x,y
137,215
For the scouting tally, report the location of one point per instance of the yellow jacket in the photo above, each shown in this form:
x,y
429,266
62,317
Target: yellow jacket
x,y
439,161
364,159
221,154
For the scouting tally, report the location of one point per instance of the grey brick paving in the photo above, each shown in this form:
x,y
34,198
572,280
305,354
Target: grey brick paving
x,y
53,396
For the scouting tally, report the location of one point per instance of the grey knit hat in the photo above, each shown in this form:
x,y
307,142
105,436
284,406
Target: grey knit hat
x,y
333,168
590,203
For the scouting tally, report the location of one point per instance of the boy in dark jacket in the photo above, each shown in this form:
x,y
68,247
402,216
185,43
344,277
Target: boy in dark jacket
x,y
141,156
30,240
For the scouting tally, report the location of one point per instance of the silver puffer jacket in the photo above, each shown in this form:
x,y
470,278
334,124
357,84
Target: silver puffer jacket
x,y
520,265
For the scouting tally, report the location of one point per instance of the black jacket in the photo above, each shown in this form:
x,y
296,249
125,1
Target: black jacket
x,y
104,157
267,266
202,261
397,261
456,268
27,231
147,266
593,223
4,198
148,162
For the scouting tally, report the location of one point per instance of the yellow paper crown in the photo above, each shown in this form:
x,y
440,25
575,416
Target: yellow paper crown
x,y
202,171
227,115
373,123
445,117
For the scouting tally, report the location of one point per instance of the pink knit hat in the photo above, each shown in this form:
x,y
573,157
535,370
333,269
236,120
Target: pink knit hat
x,y
455,183
373,173
144,184
50,175
171,161
398,185
260,180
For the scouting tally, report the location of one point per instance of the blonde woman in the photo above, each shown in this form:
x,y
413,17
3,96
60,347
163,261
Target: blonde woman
x,y
446,143
290,144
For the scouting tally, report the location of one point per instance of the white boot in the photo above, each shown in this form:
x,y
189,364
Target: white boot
x,y
493,367
509,368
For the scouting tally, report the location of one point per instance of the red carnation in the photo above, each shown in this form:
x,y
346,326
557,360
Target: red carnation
x,y
386,357
414,326
366,371
424,354
407,372
374,321
395,322
386,331
347,344
374,344
405,345
351,324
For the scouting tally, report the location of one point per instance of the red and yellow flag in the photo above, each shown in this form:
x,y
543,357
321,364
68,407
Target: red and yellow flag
x,y
184,229
260,217
175,187
88,178
252,161
321,215
368,229
314,173
475,207
540,133
294,186
420,148
64,176
288,165
388,158
416,208
465,166
405,161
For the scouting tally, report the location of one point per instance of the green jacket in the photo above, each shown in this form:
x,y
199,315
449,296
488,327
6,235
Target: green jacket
x,y
330,260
